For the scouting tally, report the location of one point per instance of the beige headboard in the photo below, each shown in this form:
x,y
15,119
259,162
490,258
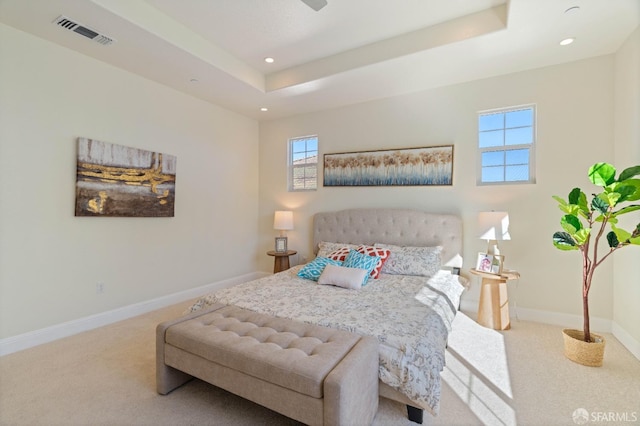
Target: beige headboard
x,y
403,227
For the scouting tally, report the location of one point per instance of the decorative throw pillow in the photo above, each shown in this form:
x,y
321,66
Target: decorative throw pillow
x,y
340,254
325,248
313,269
351,278
422,261
382,253
361,261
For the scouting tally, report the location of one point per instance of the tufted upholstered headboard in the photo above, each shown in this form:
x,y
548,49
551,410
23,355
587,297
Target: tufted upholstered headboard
x,y
403,227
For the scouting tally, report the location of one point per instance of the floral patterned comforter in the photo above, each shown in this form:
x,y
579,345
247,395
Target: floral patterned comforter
x,y
410,315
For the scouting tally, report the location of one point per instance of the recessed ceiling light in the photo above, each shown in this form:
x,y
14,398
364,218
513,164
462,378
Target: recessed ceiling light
x,y
567,41
263,109
269,60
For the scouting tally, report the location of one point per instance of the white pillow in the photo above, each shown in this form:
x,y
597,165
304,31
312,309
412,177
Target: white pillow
x,y
422,261
341,276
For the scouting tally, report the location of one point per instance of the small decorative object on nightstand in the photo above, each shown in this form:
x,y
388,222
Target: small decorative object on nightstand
x,y
493,308
281,261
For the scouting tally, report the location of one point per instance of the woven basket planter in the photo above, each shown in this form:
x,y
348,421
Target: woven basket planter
x,y
577,350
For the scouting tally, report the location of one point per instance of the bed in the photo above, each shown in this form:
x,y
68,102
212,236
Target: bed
x,y
409,307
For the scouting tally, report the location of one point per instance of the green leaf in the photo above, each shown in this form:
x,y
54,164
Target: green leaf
x,y
574,196
571,224
602,174
612,219
562,204
578,199
612,239
620,233
624,191
563,241
635,183
629,173
626,209
635,236
582,236
565,207
611,198
560,201
600,204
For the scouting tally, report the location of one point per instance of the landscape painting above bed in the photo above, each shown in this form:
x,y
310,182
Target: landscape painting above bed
x,y
398,167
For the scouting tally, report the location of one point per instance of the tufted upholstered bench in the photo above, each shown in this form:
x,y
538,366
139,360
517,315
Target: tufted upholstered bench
x,y
316,375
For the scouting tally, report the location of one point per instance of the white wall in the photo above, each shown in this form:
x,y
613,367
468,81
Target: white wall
x,y
626,290
50,261
575,129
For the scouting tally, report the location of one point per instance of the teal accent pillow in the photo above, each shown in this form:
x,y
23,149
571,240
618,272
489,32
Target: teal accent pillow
x,y
313,269
361,261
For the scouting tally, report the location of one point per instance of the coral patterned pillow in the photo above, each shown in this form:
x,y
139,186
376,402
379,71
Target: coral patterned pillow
x,y
325,248
382,253
340,254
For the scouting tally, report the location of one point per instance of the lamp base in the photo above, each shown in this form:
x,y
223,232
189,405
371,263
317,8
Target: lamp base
x,y
492,247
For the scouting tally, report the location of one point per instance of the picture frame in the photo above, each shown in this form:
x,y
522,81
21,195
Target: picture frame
x,y
431,165
122,181
484,263
497,264
281,245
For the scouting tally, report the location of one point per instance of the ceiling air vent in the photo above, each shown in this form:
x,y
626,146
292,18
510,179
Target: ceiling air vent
x,y
66,23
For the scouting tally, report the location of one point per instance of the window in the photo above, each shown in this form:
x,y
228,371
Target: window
x,y
303,163
506,139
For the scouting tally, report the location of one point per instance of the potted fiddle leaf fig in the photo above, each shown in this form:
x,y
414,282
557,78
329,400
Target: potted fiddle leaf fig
x,y
584,223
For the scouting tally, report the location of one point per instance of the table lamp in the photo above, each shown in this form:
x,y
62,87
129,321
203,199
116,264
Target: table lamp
x,y
282,221
493,227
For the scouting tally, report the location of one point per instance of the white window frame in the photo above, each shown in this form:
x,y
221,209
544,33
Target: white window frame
x,y
506,148
292,166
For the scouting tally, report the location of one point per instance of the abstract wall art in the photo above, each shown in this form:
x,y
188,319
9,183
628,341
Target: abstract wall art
x,y
410,166
116,180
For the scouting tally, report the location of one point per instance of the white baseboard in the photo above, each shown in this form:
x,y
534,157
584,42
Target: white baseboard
x,y
626,339
33,338
598,325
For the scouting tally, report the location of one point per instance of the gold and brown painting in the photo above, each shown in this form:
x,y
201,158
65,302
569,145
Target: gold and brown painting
x,y
116,180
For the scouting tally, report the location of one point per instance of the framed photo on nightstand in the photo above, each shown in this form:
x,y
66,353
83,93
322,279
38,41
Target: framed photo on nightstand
x,y
496,265
490,263
484,262
281,244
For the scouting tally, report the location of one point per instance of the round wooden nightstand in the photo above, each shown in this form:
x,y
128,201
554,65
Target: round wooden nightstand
x,y
281,261
493,307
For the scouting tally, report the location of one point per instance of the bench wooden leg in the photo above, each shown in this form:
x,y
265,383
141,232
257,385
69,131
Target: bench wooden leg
x,y
415,414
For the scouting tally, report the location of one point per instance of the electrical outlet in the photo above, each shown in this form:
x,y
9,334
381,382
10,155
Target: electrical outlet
x,y
99,287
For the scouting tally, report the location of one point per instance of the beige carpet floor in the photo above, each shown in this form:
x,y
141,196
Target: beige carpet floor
x,y
516,377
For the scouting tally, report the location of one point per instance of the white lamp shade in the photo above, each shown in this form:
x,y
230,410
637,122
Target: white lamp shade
x,y
283,220
493,226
